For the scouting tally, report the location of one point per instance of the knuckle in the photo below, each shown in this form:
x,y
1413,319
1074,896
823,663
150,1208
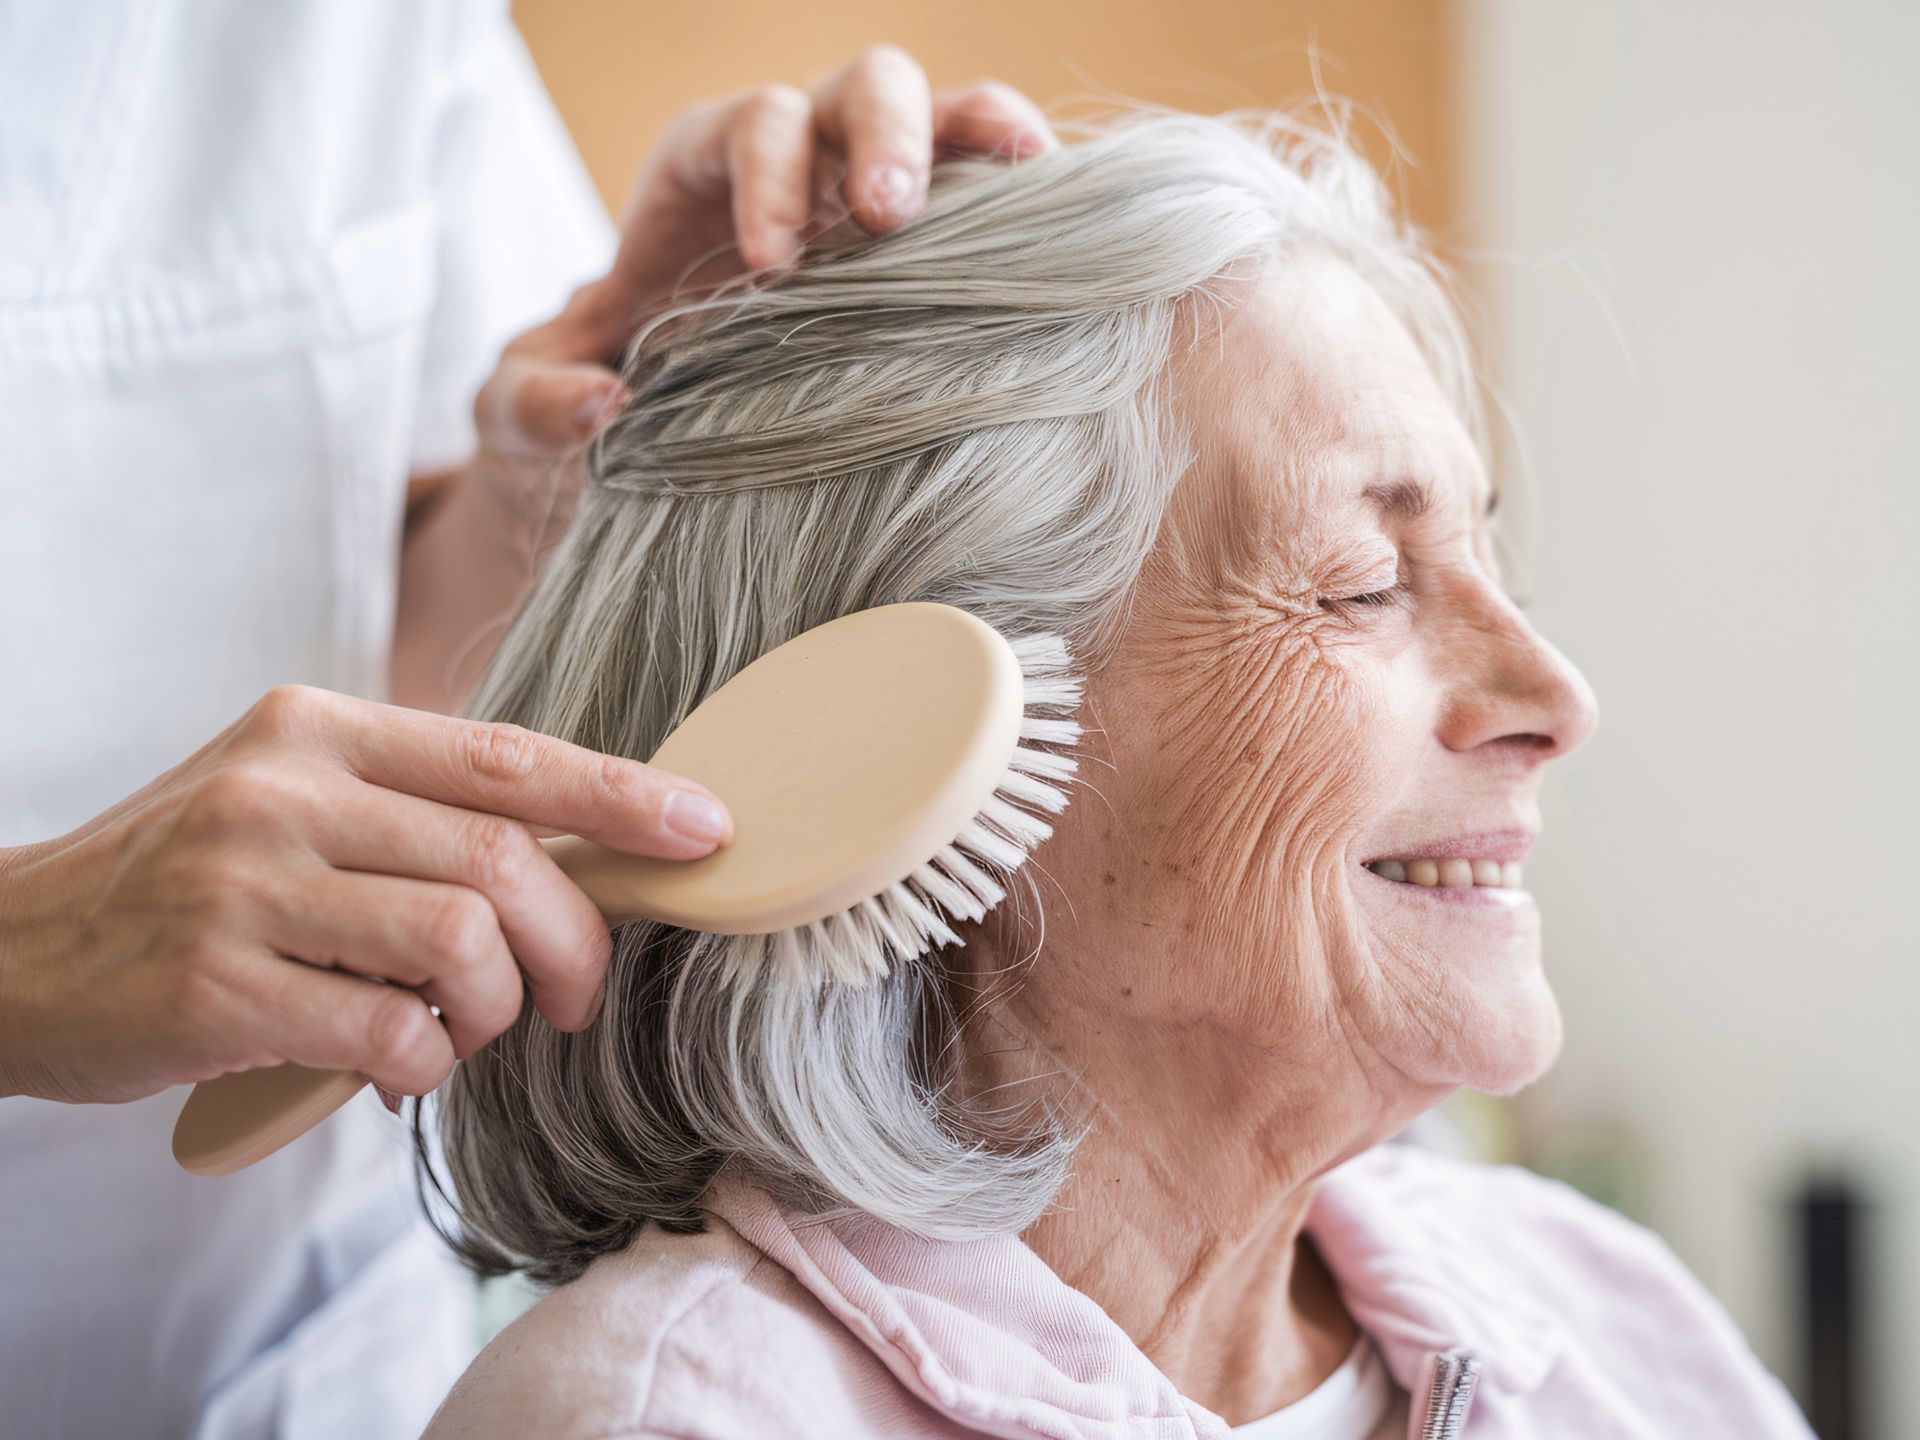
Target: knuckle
x,y
775,103
398,1030
286,709
458,929
494,401
497,852
530,401
621,788
884,59
678,133
503,753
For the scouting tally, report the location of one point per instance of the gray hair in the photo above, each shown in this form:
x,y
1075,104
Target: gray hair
x,y
971,411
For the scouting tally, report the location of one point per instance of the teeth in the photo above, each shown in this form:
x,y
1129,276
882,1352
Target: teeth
x,y
1460,874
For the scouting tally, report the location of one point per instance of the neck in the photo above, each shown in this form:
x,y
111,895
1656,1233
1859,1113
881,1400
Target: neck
x,y
1239,1313
1184,1219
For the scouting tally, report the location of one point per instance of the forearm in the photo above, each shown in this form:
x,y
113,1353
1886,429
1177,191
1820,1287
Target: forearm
x,y
467,561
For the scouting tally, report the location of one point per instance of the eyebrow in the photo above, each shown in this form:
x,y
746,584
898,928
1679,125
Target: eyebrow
x,y
1409,499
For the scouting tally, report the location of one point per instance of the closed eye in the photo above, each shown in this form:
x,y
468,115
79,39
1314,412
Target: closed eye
x,y
1392,595
1373,597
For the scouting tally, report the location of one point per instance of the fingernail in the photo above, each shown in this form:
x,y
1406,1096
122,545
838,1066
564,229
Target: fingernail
x,y
697,817
388,1098
892,190
599,407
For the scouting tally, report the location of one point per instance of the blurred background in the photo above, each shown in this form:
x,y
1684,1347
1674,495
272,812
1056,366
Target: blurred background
x,y
1686,232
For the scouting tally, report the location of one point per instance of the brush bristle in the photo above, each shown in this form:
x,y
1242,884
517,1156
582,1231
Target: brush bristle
x,y
968,877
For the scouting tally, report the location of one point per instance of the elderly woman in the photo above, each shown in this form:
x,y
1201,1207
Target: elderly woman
x,y
1190,396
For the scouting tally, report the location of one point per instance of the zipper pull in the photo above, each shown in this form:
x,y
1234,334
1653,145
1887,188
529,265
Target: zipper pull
x,y
1449,1394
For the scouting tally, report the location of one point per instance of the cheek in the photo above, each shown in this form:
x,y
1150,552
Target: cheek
x,y
1248,758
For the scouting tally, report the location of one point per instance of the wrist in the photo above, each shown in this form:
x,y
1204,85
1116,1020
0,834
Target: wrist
x,y
515,512
465,571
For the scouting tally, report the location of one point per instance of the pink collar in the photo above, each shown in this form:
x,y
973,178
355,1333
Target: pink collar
x,y
986,1332
1393,1238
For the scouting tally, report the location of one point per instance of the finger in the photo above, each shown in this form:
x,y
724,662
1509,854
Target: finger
x,y
549,931
989,118
332,1021
877,110
664,224
442,941
770,168
535,409
523,775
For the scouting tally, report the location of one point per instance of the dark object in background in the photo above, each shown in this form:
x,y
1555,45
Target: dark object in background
x,y
1830,1216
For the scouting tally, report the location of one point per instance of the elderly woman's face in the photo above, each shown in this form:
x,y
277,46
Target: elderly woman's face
x,y
1321,671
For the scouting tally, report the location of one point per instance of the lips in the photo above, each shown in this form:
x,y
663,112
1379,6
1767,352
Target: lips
x,y
1512,844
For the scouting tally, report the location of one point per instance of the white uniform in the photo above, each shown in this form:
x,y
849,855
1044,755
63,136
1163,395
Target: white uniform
x,y
255,259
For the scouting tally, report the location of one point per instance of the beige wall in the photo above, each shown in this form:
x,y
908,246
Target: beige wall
x,y
620,68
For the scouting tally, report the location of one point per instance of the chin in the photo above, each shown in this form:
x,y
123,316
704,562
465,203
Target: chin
x,y
1521,1040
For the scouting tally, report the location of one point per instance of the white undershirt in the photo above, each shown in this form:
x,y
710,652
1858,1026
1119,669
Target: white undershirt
x,y
1359,1401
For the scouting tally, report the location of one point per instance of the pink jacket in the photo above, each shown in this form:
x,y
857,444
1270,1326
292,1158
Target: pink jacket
x,y
1577,1322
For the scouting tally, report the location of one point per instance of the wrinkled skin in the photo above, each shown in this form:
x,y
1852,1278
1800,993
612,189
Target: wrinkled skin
x,y
1240,1003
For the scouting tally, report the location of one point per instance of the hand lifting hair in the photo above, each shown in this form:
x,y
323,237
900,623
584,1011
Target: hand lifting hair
x,y
1188,397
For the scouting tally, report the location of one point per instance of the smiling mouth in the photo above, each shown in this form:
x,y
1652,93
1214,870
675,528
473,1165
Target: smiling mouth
x,y
1450,874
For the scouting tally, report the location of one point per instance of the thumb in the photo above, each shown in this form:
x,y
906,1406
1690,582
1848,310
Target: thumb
x,y
535,410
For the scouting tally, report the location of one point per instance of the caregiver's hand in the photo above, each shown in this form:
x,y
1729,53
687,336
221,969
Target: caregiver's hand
x,y
230,914
738,184
732,185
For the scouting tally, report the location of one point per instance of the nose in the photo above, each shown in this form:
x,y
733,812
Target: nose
x,y
1509,686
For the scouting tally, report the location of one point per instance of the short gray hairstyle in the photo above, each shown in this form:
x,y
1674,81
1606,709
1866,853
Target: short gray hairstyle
x,y
971,411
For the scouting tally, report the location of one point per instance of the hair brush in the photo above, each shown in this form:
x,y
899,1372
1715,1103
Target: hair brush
x,y
887,773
